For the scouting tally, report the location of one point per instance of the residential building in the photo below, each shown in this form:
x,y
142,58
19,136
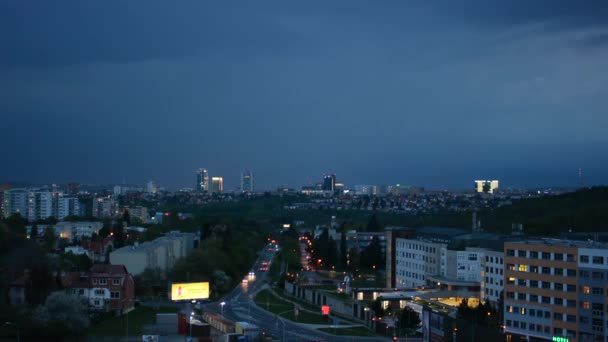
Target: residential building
x,y
202,180
77,230
161,253
67,206
139,213
39,205
104,288
217,184
16,202
556,289
98,250
104,207
247,182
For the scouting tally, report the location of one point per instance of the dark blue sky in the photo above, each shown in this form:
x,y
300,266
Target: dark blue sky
x,y
413,92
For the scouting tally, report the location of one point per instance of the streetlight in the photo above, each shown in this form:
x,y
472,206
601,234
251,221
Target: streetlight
x,y
222,307
16,327
191,317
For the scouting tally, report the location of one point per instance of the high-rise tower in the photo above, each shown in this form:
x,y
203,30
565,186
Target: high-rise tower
x,y
202,180
247,183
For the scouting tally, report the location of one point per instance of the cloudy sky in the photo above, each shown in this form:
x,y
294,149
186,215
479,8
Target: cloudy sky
x,y
430,93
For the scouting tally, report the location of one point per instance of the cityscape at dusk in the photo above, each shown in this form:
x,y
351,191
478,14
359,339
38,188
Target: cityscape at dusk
x,y
327,171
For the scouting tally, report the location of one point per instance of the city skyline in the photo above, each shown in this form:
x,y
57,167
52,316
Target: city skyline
x,y
423,94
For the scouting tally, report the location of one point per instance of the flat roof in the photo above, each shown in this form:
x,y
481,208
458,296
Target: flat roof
x,y
562,243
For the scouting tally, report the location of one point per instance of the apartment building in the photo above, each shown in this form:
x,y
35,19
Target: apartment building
x,y
555,290
161,253
415,260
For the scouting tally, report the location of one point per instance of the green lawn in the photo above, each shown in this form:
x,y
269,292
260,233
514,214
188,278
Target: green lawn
x,y
269,302
356,331
117,325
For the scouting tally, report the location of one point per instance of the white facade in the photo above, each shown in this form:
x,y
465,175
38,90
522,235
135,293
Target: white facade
x,y
39,205
15,202
492,277
468,265
161,253
67,206
415,260
151,187
104,207
77,230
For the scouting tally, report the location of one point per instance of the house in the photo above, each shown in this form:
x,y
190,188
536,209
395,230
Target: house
x,y
104,288
97,250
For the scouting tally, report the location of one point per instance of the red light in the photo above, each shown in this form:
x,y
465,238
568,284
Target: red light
x,y
325,310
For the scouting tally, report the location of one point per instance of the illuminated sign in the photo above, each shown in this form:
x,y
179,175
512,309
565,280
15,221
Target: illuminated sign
x,y
560,339
325,310
189,291
286,225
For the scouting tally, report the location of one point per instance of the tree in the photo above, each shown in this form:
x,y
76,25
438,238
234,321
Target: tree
x,y
34,232
377,308
409,319
126,217
343,251
373,225
16,224
371,256
61,315
49,238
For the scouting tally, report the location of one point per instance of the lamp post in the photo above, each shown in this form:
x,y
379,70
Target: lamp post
x,y
191,316
222,307
17,328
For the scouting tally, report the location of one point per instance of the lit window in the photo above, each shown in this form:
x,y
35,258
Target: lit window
x,y
523,268
586,289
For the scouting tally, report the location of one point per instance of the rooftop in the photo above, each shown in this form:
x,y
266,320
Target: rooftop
x,y
563,243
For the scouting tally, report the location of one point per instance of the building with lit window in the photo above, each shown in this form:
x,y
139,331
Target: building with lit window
x,y
492,277
486,186
329,182
15,202
247,182
217,184
202,180
555,289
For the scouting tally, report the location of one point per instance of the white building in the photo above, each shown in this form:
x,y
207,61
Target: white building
x,y
15,202
39,205
67,206
415,260
151,187
160,253
104,207
77,230
492,276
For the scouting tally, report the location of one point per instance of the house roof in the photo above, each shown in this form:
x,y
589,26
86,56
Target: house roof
x,y
110,270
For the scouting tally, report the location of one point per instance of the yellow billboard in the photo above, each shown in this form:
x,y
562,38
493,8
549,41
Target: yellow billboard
x,y
189,291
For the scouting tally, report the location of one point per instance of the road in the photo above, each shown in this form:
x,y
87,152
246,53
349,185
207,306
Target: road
x,y
239,306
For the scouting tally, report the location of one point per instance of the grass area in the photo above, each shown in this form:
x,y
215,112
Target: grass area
x,y
117,325
266,300
355,331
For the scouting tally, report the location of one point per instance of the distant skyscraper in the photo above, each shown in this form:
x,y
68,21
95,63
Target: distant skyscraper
x,y
247,182
329,182
217,184
486,186
202,180
40,205
151,187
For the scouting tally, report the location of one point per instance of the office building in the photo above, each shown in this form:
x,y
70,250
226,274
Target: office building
x,y
492,277
329,182
556,290
217,184
415,260
16,202
486,186
202,180
247,182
